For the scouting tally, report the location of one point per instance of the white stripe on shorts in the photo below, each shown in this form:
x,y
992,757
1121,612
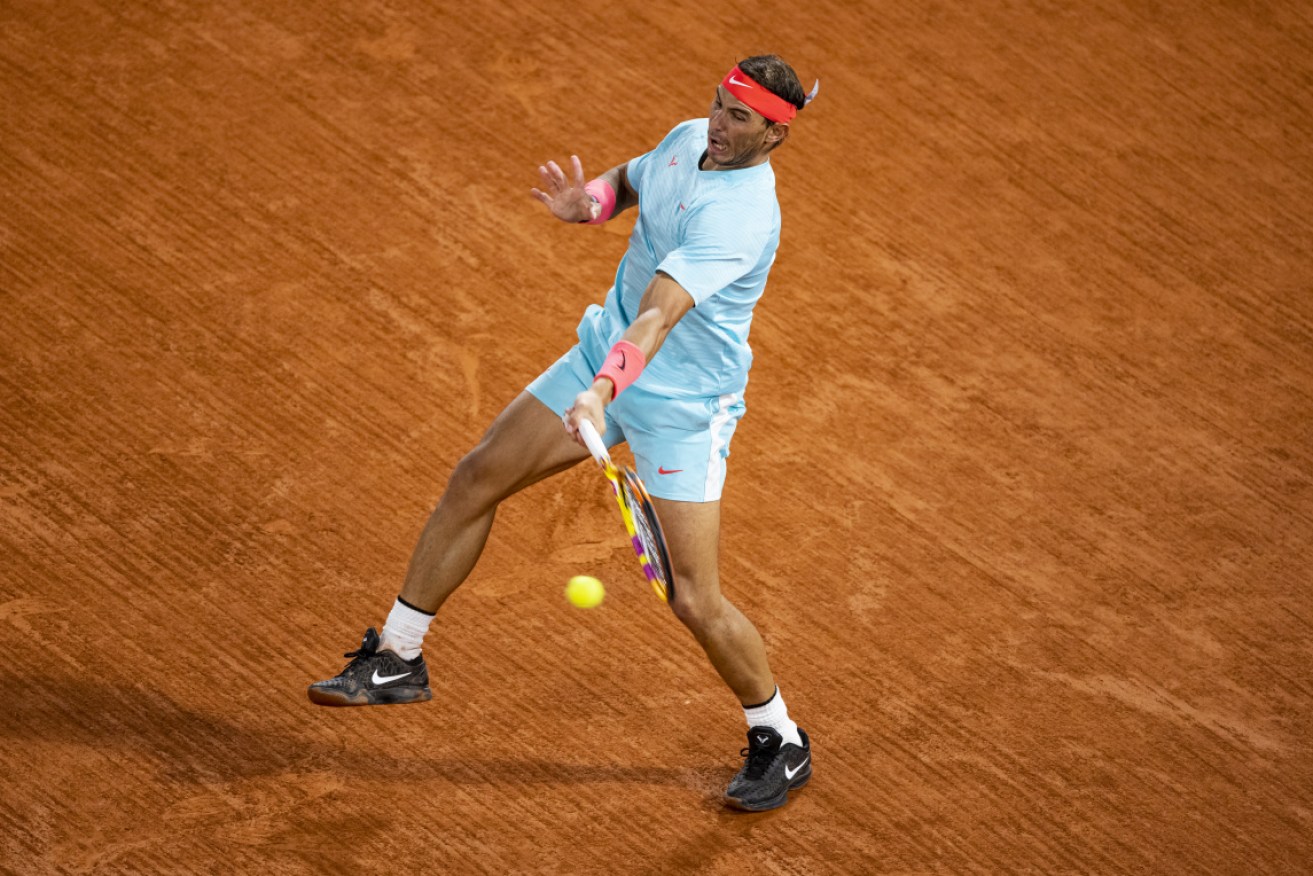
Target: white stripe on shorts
x,y
716,461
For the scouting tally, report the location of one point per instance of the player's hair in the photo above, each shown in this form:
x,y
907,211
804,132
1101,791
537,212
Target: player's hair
x,y
774,74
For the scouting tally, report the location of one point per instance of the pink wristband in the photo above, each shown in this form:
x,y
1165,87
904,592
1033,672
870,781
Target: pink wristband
x,y
622,366
601,191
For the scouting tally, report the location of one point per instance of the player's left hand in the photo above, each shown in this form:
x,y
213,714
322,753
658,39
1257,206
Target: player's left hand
x,y
565,196
586,404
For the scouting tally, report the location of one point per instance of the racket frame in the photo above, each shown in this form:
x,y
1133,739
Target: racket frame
x,y
625,483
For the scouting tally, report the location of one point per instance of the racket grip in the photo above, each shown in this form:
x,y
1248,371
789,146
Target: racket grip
x,y
594,441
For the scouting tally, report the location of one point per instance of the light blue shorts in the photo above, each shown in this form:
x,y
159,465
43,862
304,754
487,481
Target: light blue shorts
x,y
680,446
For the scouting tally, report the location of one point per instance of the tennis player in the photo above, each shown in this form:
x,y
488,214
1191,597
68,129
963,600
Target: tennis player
x,y
663,365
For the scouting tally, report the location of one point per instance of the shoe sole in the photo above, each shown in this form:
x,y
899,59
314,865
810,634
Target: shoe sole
x,y
773,802
393,696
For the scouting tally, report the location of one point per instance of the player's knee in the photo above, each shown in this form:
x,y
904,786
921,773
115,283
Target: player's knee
x,y
476,480
699,613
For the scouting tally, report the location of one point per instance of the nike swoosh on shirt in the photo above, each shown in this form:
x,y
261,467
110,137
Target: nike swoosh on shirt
x,y
790,773
664,470
384,679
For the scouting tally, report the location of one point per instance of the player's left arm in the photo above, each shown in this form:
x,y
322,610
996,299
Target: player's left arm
x,y
663,305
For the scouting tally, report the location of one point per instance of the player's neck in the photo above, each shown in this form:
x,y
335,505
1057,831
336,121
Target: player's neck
x,y
706,164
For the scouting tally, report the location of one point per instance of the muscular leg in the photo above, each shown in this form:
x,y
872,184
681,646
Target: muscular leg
x,y
731,641
525,444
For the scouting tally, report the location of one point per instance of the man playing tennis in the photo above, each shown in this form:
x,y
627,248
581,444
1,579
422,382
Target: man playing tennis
x,y
705,239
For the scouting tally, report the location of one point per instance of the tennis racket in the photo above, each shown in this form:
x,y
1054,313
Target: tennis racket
x,y
638,514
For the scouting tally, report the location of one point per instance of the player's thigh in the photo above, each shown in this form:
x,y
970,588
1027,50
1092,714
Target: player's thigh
x,y
528,442
692,531
525,443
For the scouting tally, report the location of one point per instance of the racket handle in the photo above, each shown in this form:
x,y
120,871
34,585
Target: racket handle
x,y
594,441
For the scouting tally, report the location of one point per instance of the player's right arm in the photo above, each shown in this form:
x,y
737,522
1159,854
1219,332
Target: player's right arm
x,y
618,178
567,198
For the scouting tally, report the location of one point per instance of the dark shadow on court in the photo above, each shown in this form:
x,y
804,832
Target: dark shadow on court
x,y
186,745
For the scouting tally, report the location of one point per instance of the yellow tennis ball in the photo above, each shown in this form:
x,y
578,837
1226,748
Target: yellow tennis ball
x,y
584,591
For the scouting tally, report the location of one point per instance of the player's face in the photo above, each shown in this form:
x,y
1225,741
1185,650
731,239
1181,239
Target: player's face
x,y
737,135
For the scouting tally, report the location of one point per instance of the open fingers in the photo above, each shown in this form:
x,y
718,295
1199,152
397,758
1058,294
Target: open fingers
x,y
558,175
559,192
550,180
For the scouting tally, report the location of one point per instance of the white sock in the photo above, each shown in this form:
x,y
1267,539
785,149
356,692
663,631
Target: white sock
x,y
775,715
405,630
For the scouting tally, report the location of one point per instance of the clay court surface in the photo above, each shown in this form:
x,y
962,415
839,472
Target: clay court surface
x,y
1023,502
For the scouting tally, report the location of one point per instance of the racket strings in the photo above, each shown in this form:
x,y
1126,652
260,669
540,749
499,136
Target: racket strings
x,y
647,535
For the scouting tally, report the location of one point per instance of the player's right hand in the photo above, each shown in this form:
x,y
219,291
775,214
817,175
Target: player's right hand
x,y
565,197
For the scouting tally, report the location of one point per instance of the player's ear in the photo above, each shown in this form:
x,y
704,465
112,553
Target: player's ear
x,y
776,134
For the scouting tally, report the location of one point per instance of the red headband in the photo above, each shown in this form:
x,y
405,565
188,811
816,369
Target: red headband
x,y
746,89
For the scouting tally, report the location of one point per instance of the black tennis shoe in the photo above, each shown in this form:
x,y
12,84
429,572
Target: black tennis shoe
x,y
374,678
771,770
